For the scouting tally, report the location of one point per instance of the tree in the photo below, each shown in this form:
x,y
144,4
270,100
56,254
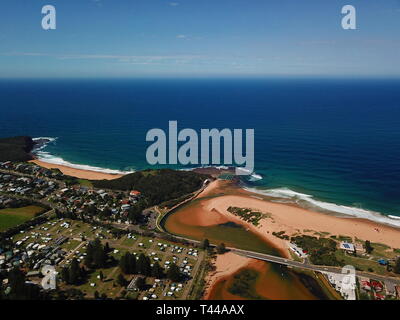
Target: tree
x,y
20,290
88,261
131,260
141,283
121,280
143,265
205,244
173,273
107,248
135,214
221,249
65,275
99,254
368,247
96,255
123,265
157,271
396,268
127,263
75,275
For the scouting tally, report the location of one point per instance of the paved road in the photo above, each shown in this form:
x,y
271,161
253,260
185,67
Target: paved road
x,y
157,209
308,266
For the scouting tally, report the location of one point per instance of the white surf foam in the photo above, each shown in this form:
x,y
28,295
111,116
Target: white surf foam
x,y
42,146
301,198
253,176
49,158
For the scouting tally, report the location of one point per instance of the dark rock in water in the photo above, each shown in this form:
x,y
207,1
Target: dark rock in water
x,y
16,149
214,171
40,143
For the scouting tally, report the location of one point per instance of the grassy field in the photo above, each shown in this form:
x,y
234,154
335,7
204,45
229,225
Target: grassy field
x,y
361,263
85,183
15,216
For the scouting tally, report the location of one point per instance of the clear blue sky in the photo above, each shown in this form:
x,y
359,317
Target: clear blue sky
x,y
146,38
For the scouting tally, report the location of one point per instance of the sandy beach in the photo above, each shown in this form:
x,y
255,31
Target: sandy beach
x,y
220,195
78,173
289,218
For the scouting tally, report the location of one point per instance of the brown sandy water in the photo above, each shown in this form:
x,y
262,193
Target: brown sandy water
x,y
193,222
273,283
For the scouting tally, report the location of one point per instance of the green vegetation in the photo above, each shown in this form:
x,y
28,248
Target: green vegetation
x,y
221,249
281,235
16,149
12,217
368,247
157,186
360,263
248,215
243,284
85,183
396,268
205,244
73,274
345,238
122,281
19,288
316,284
199,282
171,203
127,263
174,273
96,255
320,250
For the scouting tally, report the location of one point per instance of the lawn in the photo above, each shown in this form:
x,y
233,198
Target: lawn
x,y
85,183
15,216
361,263
129,242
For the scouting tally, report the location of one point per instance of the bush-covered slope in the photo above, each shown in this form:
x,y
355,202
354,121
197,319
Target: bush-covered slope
x,y
157,186
16,149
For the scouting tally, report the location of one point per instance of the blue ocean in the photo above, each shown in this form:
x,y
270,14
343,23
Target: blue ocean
x,y
330,143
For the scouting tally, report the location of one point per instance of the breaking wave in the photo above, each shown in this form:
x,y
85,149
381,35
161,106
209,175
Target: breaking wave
x,y
306,200
43,142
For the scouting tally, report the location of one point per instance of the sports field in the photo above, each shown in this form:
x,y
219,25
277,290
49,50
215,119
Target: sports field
x,y
12,217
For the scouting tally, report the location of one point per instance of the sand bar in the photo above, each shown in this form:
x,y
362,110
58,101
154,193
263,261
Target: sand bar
x,y
292,219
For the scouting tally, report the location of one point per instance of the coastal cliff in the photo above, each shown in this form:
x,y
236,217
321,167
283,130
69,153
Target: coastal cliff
x,y
16,148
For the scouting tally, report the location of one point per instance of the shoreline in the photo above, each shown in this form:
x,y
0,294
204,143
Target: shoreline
x,y
225,265
308,202
289,217
77,173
